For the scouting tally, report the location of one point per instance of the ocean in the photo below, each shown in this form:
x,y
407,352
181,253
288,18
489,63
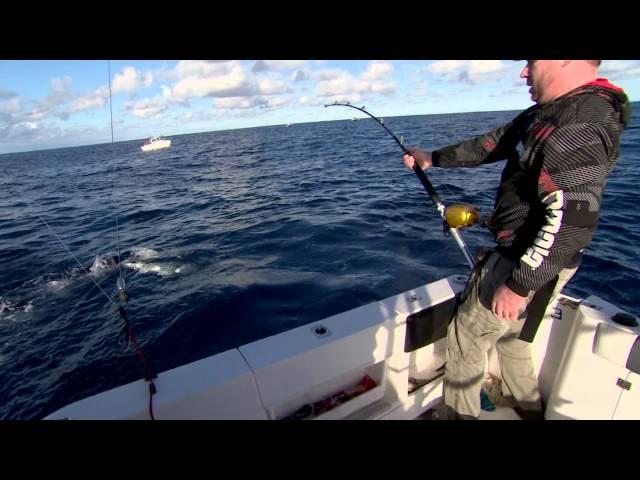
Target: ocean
x,y
232,236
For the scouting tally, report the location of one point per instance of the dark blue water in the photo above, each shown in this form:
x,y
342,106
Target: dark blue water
x,y
232,236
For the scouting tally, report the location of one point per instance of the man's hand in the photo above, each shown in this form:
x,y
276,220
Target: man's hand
x,y
507,304
417,155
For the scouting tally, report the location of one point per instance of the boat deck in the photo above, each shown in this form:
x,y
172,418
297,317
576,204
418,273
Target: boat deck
x,y
500,413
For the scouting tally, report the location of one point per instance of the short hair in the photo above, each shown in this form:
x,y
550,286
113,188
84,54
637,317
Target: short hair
x,y
595,62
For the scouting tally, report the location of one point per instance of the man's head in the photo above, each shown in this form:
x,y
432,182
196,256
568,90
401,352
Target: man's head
x,y
550,79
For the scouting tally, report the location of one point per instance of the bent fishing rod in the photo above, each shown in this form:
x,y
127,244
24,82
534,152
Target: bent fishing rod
x,y
435,198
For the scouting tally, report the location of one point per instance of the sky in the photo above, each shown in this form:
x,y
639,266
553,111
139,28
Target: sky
x,y
52,104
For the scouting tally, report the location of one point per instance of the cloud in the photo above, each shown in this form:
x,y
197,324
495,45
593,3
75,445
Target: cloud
x,y
61,85
234,83
266,65
278,102
260,66
378,70
610,66
194,116
60,92
304,100
353,98
344,84
445,66
19,132
300,75
5,94
98,99
50,106
232,103
10,106
328,74
86,103
148,107
478,67
469,71
268,86
131,80
36,114
619,69
203,68
384,88
31,135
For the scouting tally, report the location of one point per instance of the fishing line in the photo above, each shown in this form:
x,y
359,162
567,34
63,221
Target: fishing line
x,y
73,256
120,284
122,292
57,237
435,198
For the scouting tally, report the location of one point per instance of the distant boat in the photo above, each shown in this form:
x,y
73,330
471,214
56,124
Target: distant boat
x,y
155,143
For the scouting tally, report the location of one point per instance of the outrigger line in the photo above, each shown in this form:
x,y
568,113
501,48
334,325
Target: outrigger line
x,y
435,198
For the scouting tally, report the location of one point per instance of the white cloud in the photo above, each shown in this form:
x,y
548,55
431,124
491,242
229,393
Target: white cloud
x,y
201,68
304,100
240,102
353,98
234,83
148,107
61,85
445,66
4,94
384,88
328,74
378,70
619,69
285,64
60,94
300,75
98,99
36,114
233,102
27,124
88,102
268,86
131,80
469,71
344,84
264,65
11,106
478,67
610,66
278,102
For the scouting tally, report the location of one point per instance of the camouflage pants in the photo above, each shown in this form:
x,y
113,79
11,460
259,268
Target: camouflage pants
x,y
472,334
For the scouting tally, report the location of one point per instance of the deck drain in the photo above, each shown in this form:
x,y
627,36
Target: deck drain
x,y
320,331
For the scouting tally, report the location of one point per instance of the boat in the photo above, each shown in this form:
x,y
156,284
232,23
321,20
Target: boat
x,y
155,143
385,361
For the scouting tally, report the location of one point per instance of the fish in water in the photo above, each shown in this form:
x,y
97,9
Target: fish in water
x,y
138,260
102,264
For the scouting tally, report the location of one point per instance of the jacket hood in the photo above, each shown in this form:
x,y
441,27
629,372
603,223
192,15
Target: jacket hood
x,y
617,96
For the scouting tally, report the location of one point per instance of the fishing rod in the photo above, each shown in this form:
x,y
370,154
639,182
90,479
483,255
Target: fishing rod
x,y
456,216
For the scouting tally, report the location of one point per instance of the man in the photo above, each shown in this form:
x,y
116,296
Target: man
x,y
546,211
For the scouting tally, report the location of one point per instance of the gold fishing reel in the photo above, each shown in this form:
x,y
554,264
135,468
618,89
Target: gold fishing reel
x,y
461,216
